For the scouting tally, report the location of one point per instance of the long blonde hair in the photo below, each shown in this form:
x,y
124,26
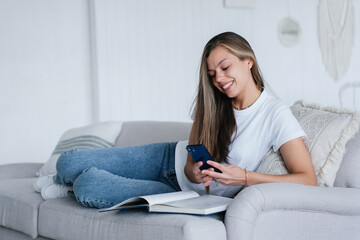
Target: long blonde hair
x,y
214,120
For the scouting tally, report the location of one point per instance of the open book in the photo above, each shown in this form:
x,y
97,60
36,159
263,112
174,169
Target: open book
x,y
188,202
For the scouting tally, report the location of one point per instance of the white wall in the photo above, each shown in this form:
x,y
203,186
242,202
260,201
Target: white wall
x,y
148,53
44,75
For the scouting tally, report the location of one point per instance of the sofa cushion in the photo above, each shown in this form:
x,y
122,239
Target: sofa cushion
x,y
348,174
273,164
19,170
19,205
327,130
144,132
66,219
98,135
10,234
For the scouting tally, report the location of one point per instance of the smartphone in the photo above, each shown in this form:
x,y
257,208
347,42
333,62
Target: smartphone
x,y
200,153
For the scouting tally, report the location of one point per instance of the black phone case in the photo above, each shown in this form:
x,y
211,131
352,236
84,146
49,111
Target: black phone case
x,y
200,153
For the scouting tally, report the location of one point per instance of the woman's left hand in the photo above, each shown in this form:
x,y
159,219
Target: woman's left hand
x,y
231,175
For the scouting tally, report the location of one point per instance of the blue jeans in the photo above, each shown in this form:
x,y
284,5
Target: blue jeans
x,y
104,177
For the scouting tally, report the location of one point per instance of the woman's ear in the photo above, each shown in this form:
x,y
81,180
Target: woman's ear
x,y
250,63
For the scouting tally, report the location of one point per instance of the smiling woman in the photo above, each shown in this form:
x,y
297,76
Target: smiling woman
x,y
239,122
227,61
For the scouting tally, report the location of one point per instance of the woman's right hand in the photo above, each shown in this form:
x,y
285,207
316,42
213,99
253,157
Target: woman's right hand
x,y
193,173
192,169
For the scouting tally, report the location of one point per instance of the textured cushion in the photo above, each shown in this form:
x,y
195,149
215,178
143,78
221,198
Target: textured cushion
x,y
348,174
76,222
144,132
19,205
327,130
272,164
98,135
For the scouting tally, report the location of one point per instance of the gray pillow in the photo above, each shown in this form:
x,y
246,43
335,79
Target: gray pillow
x,y
327,130
145,132
272,164
98,135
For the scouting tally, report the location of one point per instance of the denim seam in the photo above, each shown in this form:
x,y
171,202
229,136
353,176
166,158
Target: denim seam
x,y
82,200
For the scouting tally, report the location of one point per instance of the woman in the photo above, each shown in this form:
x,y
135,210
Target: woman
x,y
235,118
239,121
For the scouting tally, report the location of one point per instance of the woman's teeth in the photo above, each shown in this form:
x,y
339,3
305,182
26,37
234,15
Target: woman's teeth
x,y
227,85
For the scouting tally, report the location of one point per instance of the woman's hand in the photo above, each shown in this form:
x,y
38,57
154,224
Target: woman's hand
x,y
194,174
231,175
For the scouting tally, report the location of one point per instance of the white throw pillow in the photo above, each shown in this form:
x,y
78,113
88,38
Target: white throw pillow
x,y
99,135
327,130
272,164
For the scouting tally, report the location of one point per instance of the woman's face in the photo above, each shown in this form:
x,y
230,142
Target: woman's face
x,y
228,73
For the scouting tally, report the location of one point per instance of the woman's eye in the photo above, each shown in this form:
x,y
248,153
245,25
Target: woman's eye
x,y
211,74
225,68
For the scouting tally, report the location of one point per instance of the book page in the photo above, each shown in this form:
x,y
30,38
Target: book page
x,y
148,200
205,204
202,202
169,197
129,203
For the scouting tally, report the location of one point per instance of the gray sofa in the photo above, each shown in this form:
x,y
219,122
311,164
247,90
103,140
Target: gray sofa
x,y
264,211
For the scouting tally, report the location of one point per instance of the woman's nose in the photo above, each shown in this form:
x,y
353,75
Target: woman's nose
x,y
219,77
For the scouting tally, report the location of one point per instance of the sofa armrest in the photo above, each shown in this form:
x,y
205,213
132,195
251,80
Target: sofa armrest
x,y
294,211
19,170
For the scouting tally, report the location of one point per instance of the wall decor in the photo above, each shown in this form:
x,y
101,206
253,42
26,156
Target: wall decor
x,y
336,26
348,95
289,31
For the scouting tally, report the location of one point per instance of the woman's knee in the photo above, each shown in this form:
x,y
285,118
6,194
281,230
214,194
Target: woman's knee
x,y
65,160
69,166
88,190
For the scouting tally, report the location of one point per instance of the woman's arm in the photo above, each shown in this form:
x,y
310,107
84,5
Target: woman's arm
x,y
297,160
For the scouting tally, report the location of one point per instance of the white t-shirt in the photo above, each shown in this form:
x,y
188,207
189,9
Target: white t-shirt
x,y
267,124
